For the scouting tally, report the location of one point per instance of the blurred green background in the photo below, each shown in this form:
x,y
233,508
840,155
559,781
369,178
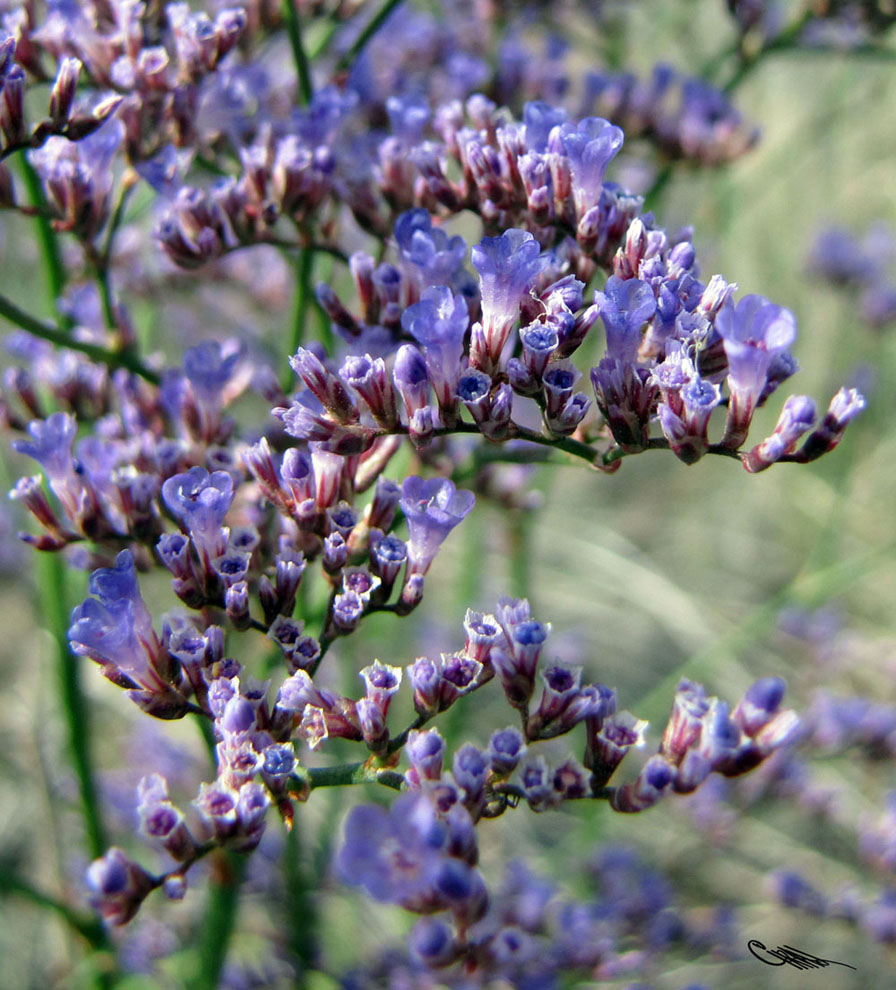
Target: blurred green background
x,y
657,571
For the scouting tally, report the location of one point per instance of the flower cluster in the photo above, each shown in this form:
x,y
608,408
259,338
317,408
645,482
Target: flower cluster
x,y
672,343
828,23
511,303
535,933
685,117
863,264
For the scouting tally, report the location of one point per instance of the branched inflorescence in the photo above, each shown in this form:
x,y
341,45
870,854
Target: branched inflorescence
x,y
291,530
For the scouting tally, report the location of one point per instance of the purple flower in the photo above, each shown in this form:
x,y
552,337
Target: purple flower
x,y
117,886
844,407
425,749
759,704
325,385
116,631
796,418
755,332
160,820
589,146
78,177
111,584
200,501
505,749
435,257
540,119
625,306
432,508
438,323
508,266
51,445
650,786
434,943
606,747
411,377
396,855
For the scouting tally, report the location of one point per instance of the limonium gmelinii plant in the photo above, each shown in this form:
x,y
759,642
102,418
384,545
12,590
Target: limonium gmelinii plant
x,y
476,289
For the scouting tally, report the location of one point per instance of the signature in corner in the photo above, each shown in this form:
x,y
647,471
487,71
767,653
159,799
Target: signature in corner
x,y
787,955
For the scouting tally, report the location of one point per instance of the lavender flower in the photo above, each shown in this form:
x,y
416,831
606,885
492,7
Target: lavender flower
x,y
754,332
508,266
432,509
117,886
200,501
438,323
589,146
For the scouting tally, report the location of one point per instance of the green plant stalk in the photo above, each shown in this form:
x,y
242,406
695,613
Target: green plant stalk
x,y
87,926
347,773
51,577
300,903
304,271
364,37
519,538
49,245
52,595
47,331
100,260
219,919
808,590
51,572
303,68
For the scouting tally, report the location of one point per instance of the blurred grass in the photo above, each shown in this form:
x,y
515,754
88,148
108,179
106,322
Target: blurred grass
x,y
640,573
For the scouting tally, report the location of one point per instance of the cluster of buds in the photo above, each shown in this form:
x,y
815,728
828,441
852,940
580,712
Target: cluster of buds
x,y
108,485
685,117
63,120
285,178
185,670
155,87
673,343
433,824
704,737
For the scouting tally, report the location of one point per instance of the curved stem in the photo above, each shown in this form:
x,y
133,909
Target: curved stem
x,y
49,245
219,920
364,37
53,601
346,774
47,331
294,30
87,926
784,41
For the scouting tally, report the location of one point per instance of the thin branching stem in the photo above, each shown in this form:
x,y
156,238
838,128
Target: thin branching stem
x,y
55,335
348,59
293,23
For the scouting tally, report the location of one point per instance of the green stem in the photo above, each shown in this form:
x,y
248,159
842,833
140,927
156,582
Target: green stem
x,y
805,590
304,272
325,40
219,919
87,926
517,522
349,773
786,40
55,614
364,37
49,245
207,731
300,904
303,68
653,194
47,331
100,260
